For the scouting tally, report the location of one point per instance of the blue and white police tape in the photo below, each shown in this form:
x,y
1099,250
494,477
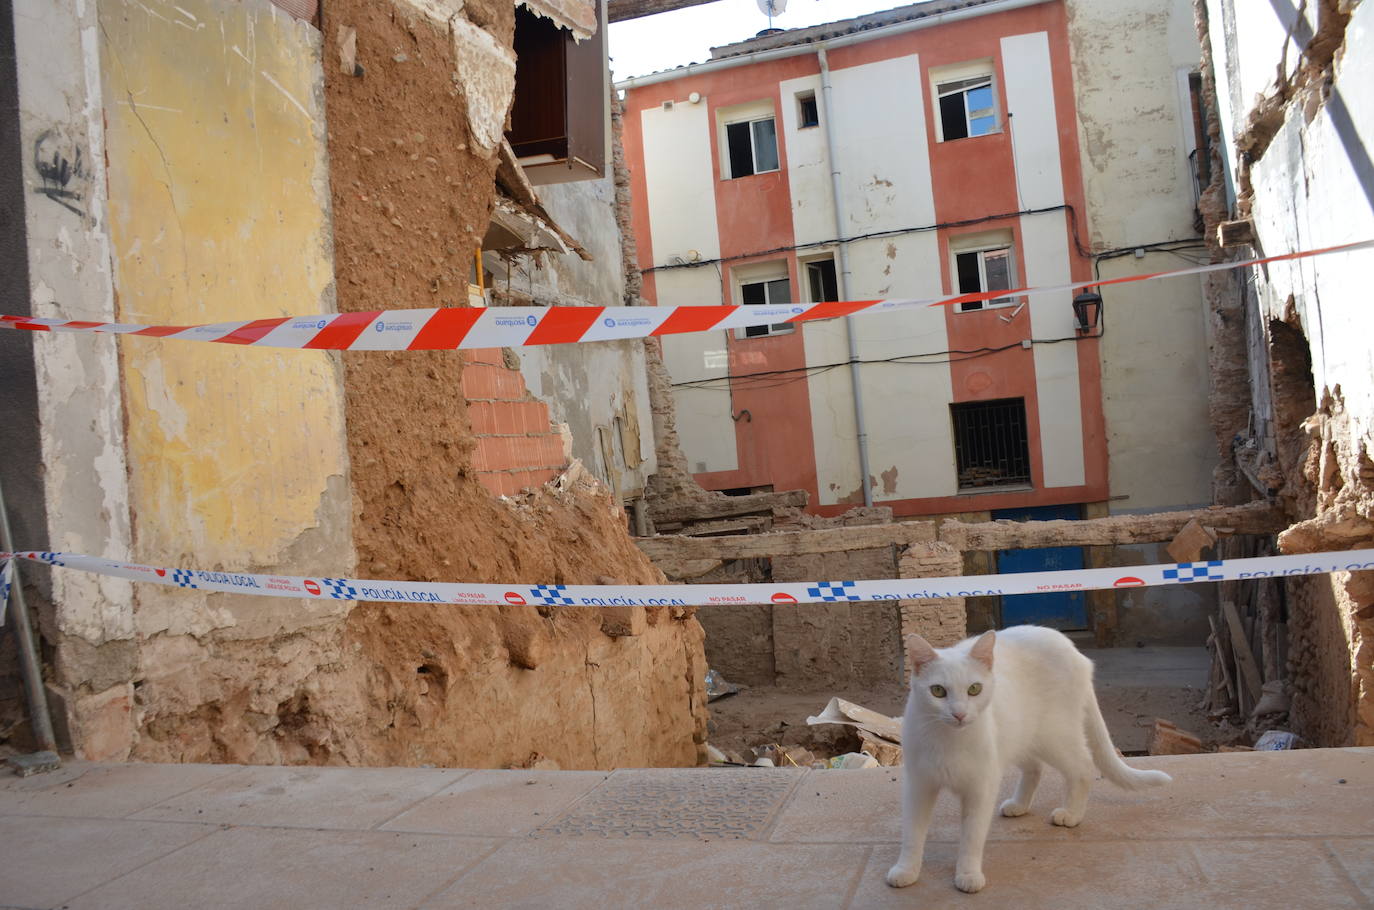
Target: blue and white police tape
x,y
6,579
323,588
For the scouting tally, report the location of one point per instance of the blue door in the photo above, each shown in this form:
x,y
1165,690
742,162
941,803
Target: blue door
x,y
1063,610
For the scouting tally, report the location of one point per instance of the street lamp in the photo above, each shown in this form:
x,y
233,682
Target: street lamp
x,y
1087,311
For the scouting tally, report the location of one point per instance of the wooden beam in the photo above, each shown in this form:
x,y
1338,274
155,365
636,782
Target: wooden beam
x,y
1159,527
620,10
1156,527
789,543
725,506
1245,658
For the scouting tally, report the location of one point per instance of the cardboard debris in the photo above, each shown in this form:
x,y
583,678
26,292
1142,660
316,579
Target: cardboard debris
x,y
839,711
881,735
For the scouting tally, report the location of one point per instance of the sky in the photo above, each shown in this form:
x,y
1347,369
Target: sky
x,y
668,40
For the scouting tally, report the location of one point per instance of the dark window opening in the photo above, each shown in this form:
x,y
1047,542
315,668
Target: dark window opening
x,y
983,270
820,278
752,147
766,293
808,114
991,448
966,108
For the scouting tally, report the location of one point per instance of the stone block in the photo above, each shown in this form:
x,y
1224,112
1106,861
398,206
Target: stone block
x,y
104,724
619,622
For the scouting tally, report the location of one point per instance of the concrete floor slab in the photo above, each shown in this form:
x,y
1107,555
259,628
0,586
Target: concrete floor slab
x,y
1244,830
1174,875
1353,855
344,798
45,862
103,791
256,868
572,874
497,803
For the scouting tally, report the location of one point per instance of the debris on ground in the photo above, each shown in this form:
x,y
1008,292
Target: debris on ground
x,y
1276,741
1167,739
718,686
881,735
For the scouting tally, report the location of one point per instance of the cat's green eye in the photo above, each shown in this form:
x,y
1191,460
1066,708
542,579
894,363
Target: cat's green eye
x,y
938,691
975,688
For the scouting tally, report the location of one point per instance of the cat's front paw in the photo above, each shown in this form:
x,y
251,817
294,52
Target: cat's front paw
x,y
1064,819
1012,809
899,876
969,882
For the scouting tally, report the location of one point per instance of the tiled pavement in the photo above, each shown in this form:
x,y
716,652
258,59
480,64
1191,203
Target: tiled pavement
x,y
1245,830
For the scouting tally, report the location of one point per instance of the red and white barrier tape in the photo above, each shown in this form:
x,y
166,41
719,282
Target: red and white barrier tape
x,y
783,593
477,327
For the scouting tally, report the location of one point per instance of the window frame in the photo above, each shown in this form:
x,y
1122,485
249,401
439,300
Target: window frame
x,y
964,460
981,250
729,159
969,71
802,99
768,276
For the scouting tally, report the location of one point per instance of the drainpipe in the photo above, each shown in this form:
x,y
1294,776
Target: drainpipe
x,y
843,256
39,719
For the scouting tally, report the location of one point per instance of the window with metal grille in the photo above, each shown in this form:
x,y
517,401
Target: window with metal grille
x,y
990,443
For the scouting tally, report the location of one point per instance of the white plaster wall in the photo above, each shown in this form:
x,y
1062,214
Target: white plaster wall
x,y
1034,129
1130,63
881,153
906,406
1309,194
880,135
80,412
682,217
703,415
1045,245
808,169
679,183
1056,365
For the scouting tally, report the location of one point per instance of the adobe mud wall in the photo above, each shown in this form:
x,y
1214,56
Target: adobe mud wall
x,y
412,192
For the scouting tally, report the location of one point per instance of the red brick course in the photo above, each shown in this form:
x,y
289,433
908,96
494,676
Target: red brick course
x,y
517,447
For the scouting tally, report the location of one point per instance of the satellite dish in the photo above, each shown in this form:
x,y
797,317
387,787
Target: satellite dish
x,y
771,8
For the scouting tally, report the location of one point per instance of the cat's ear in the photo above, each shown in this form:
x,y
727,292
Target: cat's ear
x,y
982,648
918,653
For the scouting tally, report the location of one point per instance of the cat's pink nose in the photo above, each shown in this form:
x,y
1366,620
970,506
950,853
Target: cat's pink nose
x,y
959,716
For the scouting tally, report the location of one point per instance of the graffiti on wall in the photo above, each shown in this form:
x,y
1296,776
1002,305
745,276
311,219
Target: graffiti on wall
x,y
61,171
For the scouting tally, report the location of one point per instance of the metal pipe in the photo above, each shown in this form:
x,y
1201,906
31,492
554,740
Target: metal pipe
x,y
29,667
842,263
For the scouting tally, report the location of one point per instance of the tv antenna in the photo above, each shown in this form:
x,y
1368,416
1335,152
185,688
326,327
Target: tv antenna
x,y
771,8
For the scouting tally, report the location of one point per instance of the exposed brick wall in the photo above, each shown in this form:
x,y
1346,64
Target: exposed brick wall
x,y
517,447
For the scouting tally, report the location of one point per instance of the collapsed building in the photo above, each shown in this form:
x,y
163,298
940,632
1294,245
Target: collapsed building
x,y
215,160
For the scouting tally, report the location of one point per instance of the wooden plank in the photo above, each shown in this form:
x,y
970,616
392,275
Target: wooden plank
x,y
1222,659
682,510
1245,659
1158,527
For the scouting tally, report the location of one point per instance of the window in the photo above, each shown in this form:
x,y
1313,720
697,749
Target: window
x,y
766,293
807,112
966,108
983,270
752,146
820,280
990,448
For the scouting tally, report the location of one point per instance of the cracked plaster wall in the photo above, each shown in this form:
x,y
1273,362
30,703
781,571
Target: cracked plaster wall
x,y
226,457
1303,172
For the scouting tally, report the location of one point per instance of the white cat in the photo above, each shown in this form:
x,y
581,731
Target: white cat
x,y
969,718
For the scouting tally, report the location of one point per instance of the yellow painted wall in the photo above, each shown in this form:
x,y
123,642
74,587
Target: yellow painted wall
x,y
219,210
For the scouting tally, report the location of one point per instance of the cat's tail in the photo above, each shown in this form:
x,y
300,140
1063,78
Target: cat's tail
x,y
1108,762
